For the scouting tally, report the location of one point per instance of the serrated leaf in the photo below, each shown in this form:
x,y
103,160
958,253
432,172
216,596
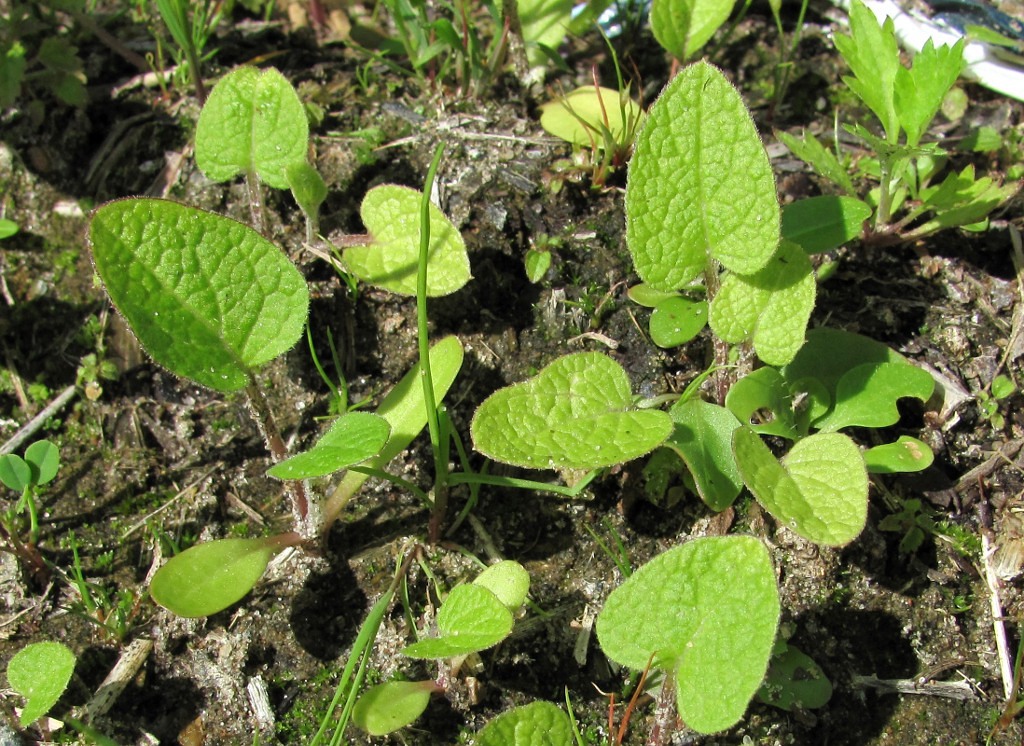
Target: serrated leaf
x,y
824,223
703,440
771,307
577,413
684,26
209,577
584,116
471,619
677,320
699,184
254,122
874,57
535,724
392,216
905,455
209,298
385,708
866,395
961,200
819,490
918,91
351,439
708,610
508,580
824,162
43,457
15,472
40,672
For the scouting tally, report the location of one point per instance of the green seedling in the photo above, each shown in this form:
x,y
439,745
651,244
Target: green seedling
x,y
794,680
683,27
535,724
707,613
35,58
1002,387
40,672
26,475
537,263
473,618
913,521
700,197
7,228
907,171
191,25
580,413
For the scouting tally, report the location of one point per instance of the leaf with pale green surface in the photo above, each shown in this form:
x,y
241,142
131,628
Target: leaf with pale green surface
x,y
577,413
385,708
351,439
471,619
40,672
823,161
819,490
703,439
253,122
209,298
677,320
874,57
707,610
866,395
699,184
535,724
905,455
771,307
582,116
391,214
919,90
684,26
508,580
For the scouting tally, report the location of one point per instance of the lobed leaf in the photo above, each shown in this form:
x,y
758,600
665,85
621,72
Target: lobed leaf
x,y
535,724
707,610
771,307
392,216
209,577
40,672
577,413
819,490
874,57
252,122
699,184
823,161
471,619
351,439
919,90
209,298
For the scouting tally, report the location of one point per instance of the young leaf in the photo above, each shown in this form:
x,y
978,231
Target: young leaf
x,y
824,162
392,216
209,577
308,188
7,227
820,490
703,439
677,320
508,580
644,295
866,395
253,122
823,223
771,307
684,26
544,24
15,472
536,263
919,90
905,455
43,457
577,413
770,404
40,672
708,610
471,619
387,707
874,57
582,116
352,438
209,298
699,184
535,724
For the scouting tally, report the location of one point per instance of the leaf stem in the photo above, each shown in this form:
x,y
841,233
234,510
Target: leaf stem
x,y
423,338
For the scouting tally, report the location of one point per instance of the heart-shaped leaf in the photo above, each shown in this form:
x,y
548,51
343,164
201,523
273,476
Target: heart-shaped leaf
x,y
699,184
703,439
819,490
471,619
40,672
253,122
771,307
387,707
391,214
209,298
708,611
352,438
209,577
535,724
43,457
577,413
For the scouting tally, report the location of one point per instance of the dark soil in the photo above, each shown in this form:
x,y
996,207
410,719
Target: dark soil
x,y
147,456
